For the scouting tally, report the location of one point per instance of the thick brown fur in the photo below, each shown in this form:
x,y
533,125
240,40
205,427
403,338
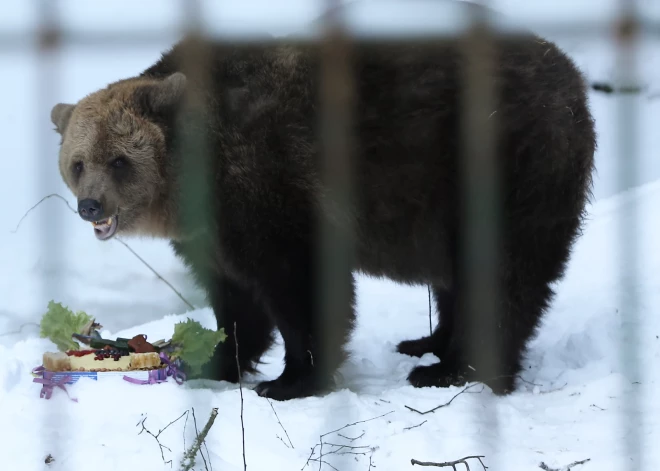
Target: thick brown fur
x,y
261,122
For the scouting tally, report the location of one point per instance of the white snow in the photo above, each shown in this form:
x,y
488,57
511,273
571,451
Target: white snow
x,y
578,388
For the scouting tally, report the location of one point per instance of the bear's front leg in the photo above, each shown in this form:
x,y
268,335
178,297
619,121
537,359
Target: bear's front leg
x,y
312,352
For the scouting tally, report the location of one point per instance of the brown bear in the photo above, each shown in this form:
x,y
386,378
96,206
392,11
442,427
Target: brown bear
x,y
254,246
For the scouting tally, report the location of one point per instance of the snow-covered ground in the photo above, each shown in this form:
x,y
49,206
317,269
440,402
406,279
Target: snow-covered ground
x,y
577,390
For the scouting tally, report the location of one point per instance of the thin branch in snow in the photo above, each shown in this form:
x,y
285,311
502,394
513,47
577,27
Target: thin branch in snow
x,y
415,426
240,388
145,429
342,449
451,464
280,422
430,324
188,460
545,467
197,435
352,439
158,275
445,404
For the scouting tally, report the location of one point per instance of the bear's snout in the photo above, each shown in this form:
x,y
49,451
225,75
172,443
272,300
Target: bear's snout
x,y
90,209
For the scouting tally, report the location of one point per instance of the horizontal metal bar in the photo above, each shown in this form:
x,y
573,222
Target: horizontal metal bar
x,y
20,40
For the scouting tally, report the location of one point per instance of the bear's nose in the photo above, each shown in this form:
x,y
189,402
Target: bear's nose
x,y
90,210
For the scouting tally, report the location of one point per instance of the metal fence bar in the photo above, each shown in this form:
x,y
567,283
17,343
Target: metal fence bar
x,y
336,242
479,211
47,44
626,39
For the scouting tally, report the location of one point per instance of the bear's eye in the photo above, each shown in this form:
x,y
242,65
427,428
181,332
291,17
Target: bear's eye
x,y
77,167
119,162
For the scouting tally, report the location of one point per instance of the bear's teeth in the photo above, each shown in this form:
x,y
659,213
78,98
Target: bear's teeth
x,y
109,222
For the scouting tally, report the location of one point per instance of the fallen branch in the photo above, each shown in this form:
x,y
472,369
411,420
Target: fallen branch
x,y
160,277
206,466
161,446
430,323
545,467
462,391
188,460
240,388
279,422
338,448
450,464
414,426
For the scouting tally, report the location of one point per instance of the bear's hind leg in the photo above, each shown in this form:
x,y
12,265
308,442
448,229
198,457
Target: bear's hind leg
x,y
491,351
435,343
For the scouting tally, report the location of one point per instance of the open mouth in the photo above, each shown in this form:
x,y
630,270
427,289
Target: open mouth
x,y
105,228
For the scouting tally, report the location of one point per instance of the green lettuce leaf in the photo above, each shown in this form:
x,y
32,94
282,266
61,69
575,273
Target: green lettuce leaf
x,y
59,322
194,344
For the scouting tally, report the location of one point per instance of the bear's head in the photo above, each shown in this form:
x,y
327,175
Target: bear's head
x,y
113,155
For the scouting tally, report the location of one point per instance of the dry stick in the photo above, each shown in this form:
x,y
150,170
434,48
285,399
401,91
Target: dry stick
x,y
430,324
415,426
55,195
52,195
240,388
320,445
197,435
545,467
445,404
352,439
188,460
156,273
145,429
279,422
451,464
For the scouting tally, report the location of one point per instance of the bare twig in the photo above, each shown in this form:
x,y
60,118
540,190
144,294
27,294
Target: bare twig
x,y
358,422
55,195
323,462
415,426
352,439
240,388
337,448
445,404
342,428
279,422
545,467
160,277
188,460
430,324
145,429
206,466
450,464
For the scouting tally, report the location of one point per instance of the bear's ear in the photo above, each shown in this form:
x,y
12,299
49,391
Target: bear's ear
x,y
165,94
60,116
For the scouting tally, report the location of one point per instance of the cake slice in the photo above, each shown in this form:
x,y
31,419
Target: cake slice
x,y
100,360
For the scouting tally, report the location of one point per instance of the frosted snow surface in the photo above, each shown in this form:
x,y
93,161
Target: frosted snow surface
x,y
572,405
